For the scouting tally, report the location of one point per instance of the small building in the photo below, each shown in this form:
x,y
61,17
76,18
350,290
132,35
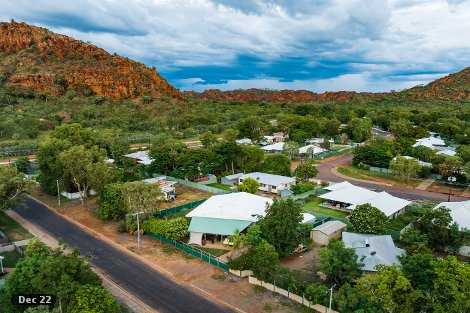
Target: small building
x,y
376,131
318,141
219,216
459,211
277,147
166,187
308,218
421,163
326,232
373,249
432,142
269,182
346,197
267,140
140,157
244,141
447,152
310,151
280,137
231,180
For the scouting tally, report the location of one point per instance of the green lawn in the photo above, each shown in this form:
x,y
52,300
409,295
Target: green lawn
x,y
179,214
376,176
11,258
214,251
313,207
402,220
12,229
220,186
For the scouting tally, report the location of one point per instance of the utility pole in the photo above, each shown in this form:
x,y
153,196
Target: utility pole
x,y
58,192
451,180
331,297
138,227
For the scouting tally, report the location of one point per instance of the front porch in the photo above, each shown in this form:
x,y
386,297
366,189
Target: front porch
x,y
336,205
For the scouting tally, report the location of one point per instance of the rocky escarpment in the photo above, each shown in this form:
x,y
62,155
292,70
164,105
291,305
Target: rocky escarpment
x,y
38,59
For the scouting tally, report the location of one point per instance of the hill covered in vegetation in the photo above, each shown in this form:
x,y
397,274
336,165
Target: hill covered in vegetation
x,y
454,87
34,58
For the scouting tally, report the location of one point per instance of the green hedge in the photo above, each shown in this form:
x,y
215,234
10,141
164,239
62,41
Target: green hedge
x,y
172,229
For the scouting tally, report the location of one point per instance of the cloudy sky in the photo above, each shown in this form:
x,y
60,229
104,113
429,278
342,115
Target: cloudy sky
x,y
319,45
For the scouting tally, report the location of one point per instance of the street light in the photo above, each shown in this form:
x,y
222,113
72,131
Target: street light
x,y
1,263
451,180
138,227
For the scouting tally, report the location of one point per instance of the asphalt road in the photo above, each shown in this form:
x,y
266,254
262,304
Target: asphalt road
x,y
138,278
324,173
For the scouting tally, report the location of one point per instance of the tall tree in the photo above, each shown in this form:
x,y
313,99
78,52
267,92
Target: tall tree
x,y
250,158
141,197
93,299
305,171
278,164
359,129
249,185
404,168
265,261
77,163
367,219
291,150
451,166
280,226
389,290
208,139
340,264
12,186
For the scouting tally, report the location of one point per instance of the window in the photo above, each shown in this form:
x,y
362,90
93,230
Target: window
x,y
274,187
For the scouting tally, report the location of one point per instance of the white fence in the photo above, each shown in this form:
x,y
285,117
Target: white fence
x,y
75,195
317,307
241,273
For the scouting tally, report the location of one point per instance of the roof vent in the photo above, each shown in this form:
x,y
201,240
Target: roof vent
x,y
367,243
257,178
373,253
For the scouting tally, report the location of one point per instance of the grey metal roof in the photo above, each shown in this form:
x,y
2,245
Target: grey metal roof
x,y
269,179
374,249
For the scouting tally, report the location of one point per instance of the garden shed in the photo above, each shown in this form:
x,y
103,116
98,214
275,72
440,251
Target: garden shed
x,y
325,232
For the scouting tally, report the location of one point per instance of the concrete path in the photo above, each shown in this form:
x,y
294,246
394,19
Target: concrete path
x,y
425,184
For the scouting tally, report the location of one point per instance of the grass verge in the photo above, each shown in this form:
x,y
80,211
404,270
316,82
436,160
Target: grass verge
x,y
12,229
376,177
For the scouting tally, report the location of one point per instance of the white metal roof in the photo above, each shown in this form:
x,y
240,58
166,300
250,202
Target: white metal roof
x,y
330,227
244,141
429,142
233,176
339,186
355,195
278,146
269,179
142,157
233,206
164,185
316,150
459,211
307,217
318,140
421,163
447,152
375,249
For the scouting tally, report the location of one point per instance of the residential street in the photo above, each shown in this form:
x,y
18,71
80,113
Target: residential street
x,y
326,173
130,273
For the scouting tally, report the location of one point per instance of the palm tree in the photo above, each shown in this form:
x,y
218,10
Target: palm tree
x,y
238,240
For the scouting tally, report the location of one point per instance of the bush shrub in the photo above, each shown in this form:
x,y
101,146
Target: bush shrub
x,y
424,171
243,262
172,229
111,203
301,188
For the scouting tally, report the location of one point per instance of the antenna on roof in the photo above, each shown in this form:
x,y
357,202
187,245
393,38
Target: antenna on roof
x,y
373,253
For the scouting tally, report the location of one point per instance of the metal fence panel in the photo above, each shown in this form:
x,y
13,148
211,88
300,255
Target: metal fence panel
x,y
206,257
179,208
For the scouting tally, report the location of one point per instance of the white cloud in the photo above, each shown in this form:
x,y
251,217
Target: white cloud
x,y
372,40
